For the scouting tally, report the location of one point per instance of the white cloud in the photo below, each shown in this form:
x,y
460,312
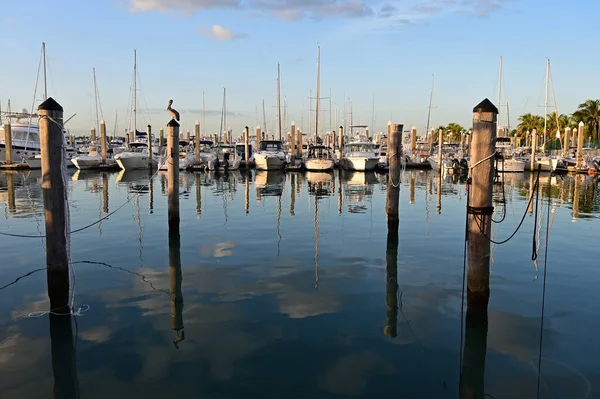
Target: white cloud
x,y
219,32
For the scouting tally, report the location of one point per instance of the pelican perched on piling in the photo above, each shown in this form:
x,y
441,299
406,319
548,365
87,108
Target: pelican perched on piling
x,y
174,113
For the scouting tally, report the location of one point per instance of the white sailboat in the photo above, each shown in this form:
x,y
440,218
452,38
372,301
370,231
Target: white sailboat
x,y
226,158
137,154
319,156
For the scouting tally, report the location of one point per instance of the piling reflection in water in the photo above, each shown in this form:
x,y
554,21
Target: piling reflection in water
x,y
64,367
175,280
105,192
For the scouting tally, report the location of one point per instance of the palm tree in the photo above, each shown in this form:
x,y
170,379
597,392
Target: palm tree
x,y
589,113
454,130
528,122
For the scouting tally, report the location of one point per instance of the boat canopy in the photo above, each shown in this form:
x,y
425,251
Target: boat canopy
x,y
270,145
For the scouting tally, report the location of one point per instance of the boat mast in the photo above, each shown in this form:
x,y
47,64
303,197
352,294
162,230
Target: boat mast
x,y
498,127
285,114
279,101
330,110
318,94
224,112
96,101
373,114
222,117
309,111
265,121
134,93
430,103
115,127
45,80
546,101
203,114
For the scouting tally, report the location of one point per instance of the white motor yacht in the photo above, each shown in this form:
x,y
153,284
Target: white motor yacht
x,y
226,158
270,155
136,157
360,155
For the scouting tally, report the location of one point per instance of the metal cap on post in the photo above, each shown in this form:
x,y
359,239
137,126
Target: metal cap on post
x,y
55,204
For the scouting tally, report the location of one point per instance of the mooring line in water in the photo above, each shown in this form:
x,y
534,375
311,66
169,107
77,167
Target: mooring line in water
x,y
137,193
23,276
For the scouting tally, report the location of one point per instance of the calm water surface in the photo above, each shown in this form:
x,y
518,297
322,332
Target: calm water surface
x,y
285,292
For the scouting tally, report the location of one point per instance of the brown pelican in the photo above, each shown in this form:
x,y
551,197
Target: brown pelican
x,y
173,112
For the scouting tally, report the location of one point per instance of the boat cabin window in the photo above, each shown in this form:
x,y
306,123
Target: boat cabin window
x,y
225,150
362,147
138,147
319,152
270,146
206,146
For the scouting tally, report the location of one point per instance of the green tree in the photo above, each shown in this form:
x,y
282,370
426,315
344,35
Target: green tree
x,y
528,122
589,113
454,130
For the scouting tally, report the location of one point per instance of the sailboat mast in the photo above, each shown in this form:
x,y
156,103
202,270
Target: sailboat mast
x,y
265,121
498,127
45,79
330,111
373,114
222,117
96,100
309,110
134,92
430,103
224,110
285,114
546,100
203,114
318,93
278,102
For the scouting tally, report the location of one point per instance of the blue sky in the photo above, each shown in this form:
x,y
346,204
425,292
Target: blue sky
x,y
382,49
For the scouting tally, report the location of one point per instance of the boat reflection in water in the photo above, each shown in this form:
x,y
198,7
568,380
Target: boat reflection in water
x,y
320,184
358,188
269,183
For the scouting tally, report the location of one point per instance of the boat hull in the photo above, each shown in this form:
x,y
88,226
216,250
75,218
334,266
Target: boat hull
x,y
132,162
360,163
83,162
511,166
268,162
317,165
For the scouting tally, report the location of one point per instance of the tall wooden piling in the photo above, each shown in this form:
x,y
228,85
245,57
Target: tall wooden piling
x,y
480,206
161,138
197,141
257,133
103,141
55,204
149,133
299,143
440,147
567,142
367,133
93,135
534,140
413,143
293,143
63,353
8,143
131,136
187,136
246,147
173,174
394,143
580,134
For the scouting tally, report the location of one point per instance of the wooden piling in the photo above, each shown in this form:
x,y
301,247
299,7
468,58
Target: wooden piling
x,y
55,204
149,133
299,143
293,143
161,138
257,133
187,136
430,139
567,142
394,151
197,141
181,136
440,147
413,143
173,174
534,140
367,133
131,136
580,134
246,148
8,144
93,135
103,141
480,206
412,187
